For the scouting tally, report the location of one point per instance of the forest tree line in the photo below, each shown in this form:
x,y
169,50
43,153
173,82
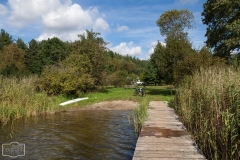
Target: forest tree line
x,y
68,67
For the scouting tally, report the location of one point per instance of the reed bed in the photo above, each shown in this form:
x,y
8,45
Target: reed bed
x,y
209,105
18,99
139,115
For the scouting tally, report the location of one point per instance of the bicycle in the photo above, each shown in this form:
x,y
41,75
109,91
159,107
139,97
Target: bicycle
x,y
138,91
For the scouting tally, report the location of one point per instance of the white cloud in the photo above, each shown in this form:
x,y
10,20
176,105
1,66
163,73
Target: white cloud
x,y
67,18
101,24
3,10
122,28
187,1
127,49
58,18
24,12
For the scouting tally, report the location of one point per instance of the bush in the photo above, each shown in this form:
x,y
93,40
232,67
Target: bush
x,y
71,77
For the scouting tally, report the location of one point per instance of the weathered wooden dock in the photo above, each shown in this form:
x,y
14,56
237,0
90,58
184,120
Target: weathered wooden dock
x,y
163,136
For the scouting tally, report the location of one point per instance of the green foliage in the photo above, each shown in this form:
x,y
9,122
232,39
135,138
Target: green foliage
x,y
5,39
71,77
159,61
173,22
122,70
150,74
223,26
173,25
130,64
21,44
166,58
47,52
52,51
209,105
9,70
32,57
121,78
177,49
93,47
193,62
234,61
117,79
12,61
38,55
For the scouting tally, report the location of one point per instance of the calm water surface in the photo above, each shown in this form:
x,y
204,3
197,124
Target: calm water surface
x,y
86,134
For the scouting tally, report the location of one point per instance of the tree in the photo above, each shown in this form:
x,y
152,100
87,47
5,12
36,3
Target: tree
x,y
21,44
150,74
194,62
223,26
174,22
53,50
32,57
159,61
12,61
177,49
93,46
5,39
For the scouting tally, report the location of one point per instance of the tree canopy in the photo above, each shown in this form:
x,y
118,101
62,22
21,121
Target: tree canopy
x,y
174,22
223,26
5,39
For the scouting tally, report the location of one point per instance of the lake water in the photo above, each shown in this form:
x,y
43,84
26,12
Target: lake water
x,y
84,134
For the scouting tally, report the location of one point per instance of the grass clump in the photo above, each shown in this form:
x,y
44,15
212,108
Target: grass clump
x,y
18,99
153,93
139,114
209,105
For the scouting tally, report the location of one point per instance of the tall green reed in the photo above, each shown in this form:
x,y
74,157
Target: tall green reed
x,y
209,104
139,115
18,98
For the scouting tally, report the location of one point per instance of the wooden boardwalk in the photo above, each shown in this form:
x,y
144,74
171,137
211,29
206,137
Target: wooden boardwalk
x,y
163,136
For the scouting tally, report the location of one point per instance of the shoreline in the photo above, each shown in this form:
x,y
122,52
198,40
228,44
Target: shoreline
x,y
108,105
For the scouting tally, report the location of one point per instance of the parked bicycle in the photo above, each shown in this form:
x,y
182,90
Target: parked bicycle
x,y
139,91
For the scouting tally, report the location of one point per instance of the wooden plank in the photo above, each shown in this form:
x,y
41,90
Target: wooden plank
x,y
163,136
165,158
171,154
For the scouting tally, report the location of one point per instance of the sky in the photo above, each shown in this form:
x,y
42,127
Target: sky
x,y
129,26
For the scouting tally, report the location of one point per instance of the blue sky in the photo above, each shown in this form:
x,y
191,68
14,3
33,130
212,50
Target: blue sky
x,y
129,26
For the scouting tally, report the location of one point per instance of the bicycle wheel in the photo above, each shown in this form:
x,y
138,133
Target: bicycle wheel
x,y
143,93
135,92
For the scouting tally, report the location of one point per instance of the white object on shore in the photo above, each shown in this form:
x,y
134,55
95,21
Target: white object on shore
x,y
72,101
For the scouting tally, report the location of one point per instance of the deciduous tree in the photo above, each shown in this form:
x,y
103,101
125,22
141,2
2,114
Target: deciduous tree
x,y
223,26
12,61
93,46
173,24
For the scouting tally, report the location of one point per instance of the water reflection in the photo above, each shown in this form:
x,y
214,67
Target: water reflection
x,y
85,134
